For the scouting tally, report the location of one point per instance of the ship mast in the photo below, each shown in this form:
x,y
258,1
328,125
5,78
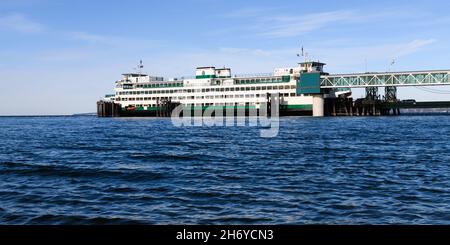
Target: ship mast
x,y
140,67
303,54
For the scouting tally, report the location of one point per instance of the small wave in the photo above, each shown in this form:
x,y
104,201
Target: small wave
x,y
71,172
237,220
56,219
163,157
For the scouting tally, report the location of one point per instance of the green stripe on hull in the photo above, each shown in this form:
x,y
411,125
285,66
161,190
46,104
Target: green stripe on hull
x,y
297,107
305,107
205,76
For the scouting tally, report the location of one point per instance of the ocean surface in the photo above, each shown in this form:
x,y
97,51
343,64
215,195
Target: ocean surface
x,y
348,170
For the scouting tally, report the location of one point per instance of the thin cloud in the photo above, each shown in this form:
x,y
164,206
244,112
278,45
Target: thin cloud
x,y
113,41
265,22
250,12
19,23
413,47
290,26
64,56
270,24
244,51
84,36
352,59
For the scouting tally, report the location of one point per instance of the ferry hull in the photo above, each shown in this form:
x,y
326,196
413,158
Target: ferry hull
x,y
299,110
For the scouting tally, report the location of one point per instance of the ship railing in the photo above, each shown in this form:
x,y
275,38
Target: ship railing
x,y
245,75
253,75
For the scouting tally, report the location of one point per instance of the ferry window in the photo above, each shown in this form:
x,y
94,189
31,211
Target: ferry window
x,y
257,95
253,88
231,89
292,86
292,94
203,90
207,90
287,87
258,88
286,95
227,89
222,89
247,88
269,88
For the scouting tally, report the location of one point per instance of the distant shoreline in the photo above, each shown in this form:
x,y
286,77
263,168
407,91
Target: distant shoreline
x,y
72,115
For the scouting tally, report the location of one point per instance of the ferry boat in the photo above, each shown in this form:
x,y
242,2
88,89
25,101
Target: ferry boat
x,y
298,88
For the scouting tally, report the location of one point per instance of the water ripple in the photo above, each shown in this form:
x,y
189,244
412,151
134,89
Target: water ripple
x,y
87,170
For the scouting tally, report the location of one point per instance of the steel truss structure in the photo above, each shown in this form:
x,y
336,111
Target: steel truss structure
x,y
388,79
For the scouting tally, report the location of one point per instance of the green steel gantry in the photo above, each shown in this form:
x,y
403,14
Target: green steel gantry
x,y
388,79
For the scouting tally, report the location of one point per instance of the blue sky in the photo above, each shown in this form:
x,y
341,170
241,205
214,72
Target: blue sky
x,y
60,57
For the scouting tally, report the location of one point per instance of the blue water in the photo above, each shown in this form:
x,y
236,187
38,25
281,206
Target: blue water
x,y
88,170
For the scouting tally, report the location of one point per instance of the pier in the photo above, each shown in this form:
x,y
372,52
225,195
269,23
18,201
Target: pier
x,y
364,107
108,109
372,104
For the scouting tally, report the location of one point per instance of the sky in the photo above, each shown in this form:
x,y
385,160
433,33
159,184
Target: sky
x,y
61,56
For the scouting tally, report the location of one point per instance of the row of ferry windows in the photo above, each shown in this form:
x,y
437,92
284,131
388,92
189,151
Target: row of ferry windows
x,y
159,85
206,97
263,80
203,104
205,90
238,81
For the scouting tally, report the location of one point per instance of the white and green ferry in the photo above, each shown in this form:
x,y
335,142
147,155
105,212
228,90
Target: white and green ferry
x,y
138,94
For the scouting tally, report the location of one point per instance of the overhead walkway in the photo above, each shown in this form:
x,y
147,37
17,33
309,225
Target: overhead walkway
x,y
386,79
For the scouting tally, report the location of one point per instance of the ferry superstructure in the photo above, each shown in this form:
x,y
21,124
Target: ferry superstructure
x,y
141,95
